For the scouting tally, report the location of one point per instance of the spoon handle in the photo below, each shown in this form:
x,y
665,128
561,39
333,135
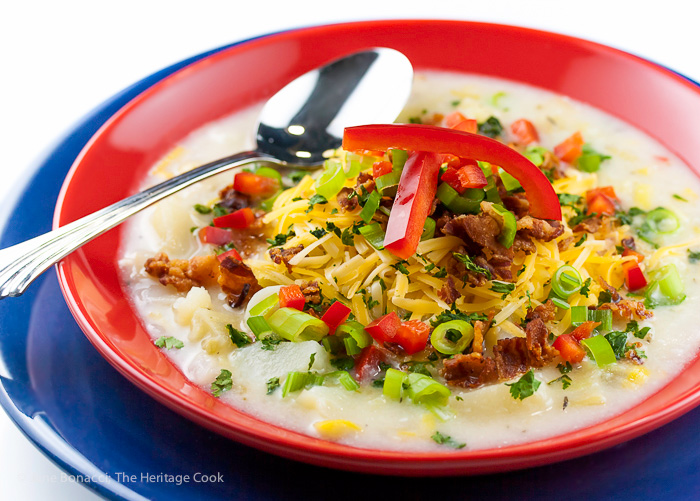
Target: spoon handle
x,y
24,262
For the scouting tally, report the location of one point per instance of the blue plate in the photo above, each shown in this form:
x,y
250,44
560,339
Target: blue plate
x,y
92,422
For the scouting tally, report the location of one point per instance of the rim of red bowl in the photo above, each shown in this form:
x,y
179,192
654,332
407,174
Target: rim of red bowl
x,y
89,278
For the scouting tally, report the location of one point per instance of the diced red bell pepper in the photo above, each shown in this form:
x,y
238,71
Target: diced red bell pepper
x,y
215,236
457,121
253,184
414,198
471,176
381,168
335,315
570,148
412,336
569,349
525,131
240,219
544,203
451,161
634,276
233,253
584,330
291,297
607,191
450,177
367,363
601,205
384,328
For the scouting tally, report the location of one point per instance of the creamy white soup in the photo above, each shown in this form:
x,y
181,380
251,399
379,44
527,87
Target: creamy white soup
x,y
497,329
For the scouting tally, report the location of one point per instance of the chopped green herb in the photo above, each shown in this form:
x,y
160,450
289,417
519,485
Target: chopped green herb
x,y
237,337
617,341
503,288
269,343
193,229
401,267
581,240
441,439
491,127
297,176
316,200
455,102
281,238
693,256
414,120
343,363
222,383
678,197
296,199
565,381
332,227
586,287
455,314
378,383
219,211
272,384
318,232
419,367
429,267
458,398
312,359
169,342
565,368
525,386
347,237
470,265
202,209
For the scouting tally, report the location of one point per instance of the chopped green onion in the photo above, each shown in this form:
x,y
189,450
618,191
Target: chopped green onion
x,y
662,221
398,158
331,180
332,344
602,316
374,234
258,325
268,203
507,235
560,303
566,281
600,349
354,330
391,180
423,389
442,412
428,229
269,172
666,287
351,347
295,325
579,314
355,163
509,182
457,203
535,154
371,206
296,381
345,379
452,337
393,383
265,306
590,160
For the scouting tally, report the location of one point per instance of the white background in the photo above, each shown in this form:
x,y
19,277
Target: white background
x,y
59,59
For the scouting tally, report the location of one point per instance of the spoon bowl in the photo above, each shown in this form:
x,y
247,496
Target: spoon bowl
x,y
298,127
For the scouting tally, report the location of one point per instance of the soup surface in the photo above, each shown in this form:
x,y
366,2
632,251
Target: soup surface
x,y
536,327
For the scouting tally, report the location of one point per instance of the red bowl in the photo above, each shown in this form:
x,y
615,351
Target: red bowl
x,y
654,99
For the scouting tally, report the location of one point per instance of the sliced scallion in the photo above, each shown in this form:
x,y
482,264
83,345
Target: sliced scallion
x,y
666,287
295,325
452,337
424,389
331,180
602,316
560,303
393,383
428,229
345,379
600,350
265,306
355,163
509,182
507,235
374,234
566,281
371,206
579,314
455,202
398,158
662,221
391,180
258,325
354,330
332,344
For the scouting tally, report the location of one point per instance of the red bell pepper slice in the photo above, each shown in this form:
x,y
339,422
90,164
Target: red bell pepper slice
x,y
233,253
544,203
215,236
457,121
601,205
381,168
414,198
525,131
412,336
367,363
335,315
471,176
253,184
569,149
634,276
569,349
607,191
291,297
384,328
240,219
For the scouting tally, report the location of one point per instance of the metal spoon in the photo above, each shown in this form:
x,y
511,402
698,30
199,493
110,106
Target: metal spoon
x,y
297,127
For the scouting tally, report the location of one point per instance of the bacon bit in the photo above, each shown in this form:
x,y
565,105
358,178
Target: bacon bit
x,y
540,229
311,292
584,330
469,371
546,311
346,203
280,256
449,292
183,274
237,281
628,309
614,295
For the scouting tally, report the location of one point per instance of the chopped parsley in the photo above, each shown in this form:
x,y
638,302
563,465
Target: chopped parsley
x,y
281,238
491,127
525,386
318,232
693,256
633,328
219,211
343,363
312,359
569,200
565,368
316,200
441,274
222,383
678,197
441,439
455,314
272,384
565,382
470,265
332,227
617,341
237,337
401,267
169,342
347,237
581,240
503,288
202,209
297,176
269,343
419,367
415,120
585,288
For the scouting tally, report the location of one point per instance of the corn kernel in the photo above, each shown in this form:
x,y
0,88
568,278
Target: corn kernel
x,y
638,375
334,429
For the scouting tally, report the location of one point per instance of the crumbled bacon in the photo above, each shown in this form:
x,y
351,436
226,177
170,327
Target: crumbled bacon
x,y
546,311
614,295
589,225
517,203
524,244
515,355
541,229
280,256
628,309
366,181
183,274
311,292
346,203
565,243
238,281
469,371
233,200
449,292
